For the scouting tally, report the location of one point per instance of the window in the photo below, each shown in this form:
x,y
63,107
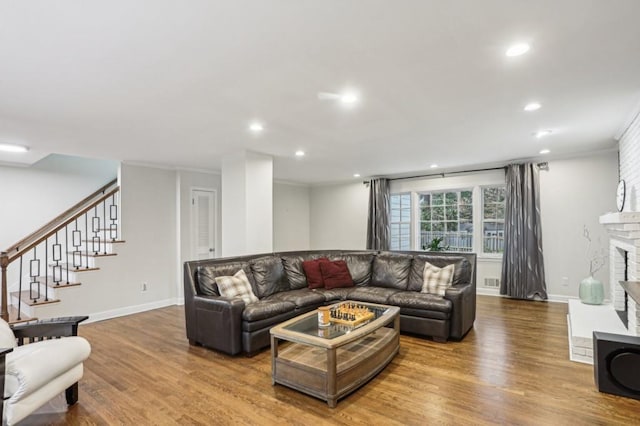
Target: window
x,y
400,222
493,206
447,216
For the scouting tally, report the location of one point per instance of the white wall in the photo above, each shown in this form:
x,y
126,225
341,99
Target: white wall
x,y
339,216
574,193
32,196
291,217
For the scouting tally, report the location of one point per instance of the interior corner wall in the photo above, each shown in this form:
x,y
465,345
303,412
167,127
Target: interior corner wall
x,y
629,162
259,203
291,217
574,193
247,203
339,216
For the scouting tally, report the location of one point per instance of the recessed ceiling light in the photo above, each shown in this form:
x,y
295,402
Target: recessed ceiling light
x,y
7,147
256,127
544,151
349,98
434,166
517,49
299,153
542,133
532,106
356,175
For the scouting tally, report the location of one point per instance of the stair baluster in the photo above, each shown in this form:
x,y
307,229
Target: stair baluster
x,y
34,273
20,291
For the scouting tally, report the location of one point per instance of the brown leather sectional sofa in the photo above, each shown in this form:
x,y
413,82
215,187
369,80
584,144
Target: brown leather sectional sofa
x,y
278,280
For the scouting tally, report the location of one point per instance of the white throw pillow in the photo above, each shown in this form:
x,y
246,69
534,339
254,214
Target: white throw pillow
x,y
437,280
236,286
7,339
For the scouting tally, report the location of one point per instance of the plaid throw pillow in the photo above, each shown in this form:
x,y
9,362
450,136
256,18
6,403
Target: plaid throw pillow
x,y
437,280
236,286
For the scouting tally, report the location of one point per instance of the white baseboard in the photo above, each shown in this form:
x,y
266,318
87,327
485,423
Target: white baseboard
x,y
557,298
128,310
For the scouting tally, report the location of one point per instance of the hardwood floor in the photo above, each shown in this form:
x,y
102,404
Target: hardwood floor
x,y
512,368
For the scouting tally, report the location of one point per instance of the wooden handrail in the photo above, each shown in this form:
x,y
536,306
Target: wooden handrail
x,y
60,217
20,250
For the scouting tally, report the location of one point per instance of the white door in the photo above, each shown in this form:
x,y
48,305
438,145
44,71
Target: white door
x,y
203,212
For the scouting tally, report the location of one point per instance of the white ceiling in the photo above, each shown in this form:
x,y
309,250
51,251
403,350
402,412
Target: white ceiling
x,y
176,83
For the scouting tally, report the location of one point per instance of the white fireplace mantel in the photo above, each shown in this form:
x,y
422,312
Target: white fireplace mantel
x,y
620,218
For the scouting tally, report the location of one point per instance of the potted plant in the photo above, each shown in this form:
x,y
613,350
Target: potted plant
x,y
434,245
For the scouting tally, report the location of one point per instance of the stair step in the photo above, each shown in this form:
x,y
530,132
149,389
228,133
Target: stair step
x,y
71,268
13,316
93,254
52,284
27,300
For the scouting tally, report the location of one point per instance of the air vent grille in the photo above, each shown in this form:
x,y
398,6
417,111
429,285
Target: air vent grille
x,y
492,282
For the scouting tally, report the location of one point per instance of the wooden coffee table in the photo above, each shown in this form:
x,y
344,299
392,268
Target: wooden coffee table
x,y
330,362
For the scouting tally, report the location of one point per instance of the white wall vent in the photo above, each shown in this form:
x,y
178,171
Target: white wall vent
x,y
492,282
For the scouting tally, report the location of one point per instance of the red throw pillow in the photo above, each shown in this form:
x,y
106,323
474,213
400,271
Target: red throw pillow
x,y
336,274
312,271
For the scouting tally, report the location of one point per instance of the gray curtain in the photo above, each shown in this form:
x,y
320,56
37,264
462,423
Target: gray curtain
x,y
378,223
523,263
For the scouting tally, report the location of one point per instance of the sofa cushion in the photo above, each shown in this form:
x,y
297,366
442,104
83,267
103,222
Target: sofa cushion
x,y
359,265
266,309
334,294
335,274
293,269
422,304
391,270
313,272
437,280
206,276
372,294
236,286
462,274
269,276
301,297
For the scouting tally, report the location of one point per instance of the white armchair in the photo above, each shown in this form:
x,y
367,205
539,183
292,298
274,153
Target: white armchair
x,y
34,373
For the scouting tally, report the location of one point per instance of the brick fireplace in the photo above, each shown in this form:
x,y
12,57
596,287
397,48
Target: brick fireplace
x,y
624,258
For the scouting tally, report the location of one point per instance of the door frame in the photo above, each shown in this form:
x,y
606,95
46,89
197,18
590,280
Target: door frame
x,y
192,221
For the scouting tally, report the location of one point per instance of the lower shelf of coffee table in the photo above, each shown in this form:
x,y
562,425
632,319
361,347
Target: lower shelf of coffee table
x,y
305,368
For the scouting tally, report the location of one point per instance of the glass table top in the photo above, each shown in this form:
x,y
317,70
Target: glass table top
x,y
309,325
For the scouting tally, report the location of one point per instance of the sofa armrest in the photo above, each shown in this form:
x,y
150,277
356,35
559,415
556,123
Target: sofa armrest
x,y
463,313
53,327
219,323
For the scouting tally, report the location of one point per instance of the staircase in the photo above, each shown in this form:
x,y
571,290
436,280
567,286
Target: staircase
x,y
38,269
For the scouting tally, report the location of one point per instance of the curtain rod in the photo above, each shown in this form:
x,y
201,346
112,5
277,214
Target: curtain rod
x,y
450,173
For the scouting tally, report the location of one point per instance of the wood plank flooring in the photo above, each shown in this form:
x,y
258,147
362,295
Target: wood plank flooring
x,y
512,368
